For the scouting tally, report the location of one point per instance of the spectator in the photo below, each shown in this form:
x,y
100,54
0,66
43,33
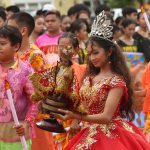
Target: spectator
x,y
2,18
65,23
47,42
129,13
10,10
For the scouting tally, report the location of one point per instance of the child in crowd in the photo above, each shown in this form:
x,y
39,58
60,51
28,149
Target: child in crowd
x,y
116,33
80,29
126,41
142,37
129,12
28,51
65,23
31,53
68,41
16,73
47,42
38,29
2,18
12,9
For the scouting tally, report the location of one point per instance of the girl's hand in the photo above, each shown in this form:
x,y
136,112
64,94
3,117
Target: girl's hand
x,y
67,115
20,130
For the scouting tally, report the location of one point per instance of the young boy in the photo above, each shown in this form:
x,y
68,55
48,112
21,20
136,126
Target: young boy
x,y
48,41
15,72
29,52
129,13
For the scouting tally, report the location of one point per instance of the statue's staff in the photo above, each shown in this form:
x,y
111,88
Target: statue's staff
x,y
14,114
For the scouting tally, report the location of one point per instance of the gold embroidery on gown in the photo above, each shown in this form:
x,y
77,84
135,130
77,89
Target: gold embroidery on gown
x,y
94,97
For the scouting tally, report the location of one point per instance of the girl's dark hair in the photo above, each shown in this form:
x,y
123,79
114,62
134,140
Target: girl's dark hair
x,y
78,24
3,15
115,28
72,38
118,20
12,33
119,67
62,17
126,22
139,15
37,16
128,10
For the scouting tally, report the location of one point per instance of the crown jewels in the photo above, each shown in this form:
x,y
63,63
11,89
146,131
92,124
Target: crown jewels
x,y
101,27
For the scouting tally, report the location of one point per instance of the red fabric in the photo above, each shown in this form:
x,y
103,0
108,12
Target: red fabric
x,y
118,134
124,140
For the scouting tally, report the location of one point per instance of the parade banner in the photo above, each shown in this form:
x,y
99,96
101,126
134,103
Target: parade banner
x,y
134,58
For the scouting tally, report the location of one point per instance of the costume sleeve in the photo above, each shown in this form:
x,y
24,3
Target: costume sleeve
x,y
116,82
32,107
146,77
146,85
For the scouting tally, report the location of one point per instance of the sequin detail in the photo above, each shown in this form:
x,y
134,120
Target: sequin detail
x,y
89,140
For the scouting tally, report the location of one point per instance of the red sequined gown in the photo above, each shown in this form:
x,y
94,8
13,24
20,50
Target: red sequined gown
x,y
118,134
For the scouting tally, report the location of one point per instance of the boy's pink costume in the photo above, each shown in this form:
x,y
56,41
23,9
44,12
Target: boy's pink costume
x,y
21,88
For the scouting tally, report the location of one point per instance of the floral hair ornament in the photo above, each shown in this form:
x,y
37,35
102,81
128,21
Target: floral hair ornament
x,y
66,52
102,27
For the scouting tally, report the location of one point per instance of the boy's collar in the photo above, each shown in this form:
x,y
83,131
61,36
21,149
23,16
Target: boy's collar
x,y
15,65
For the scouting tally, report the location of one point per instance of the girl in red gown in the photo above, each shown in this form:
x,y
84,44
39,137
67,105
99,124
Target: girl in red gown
x,y
106,93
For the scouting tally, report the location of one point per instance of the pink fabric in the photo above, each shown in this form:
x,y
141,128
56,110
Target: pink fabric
x,y
46,39
21,88
48,44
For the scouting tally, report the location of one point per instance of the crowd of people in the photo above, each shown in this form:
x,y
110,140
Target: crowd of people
x,y
110,59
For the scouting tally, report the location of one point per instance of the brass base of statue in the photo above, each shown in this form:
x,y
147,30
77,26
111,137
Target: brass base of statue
x,y
51,125
51,105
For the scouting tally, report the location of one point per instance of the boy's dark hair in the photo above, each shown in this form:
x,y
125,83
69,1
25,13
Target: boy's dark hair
x,y
13,8
139,15
115,28
100,8
12,33
39,12
24,19
78,24
3,15
77,8
53,12
118,20
2,8
127,22
128,11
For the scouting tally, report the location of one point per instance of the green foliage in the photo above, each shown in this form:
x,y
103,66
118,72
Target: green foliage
x,y
123,3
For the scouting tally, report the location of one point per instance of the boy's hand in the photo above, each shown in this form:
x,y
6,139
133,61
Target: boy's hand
x,y
20,130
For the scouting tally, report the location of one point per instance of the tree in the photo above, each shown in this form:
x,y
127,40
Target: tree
x,y
122,3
